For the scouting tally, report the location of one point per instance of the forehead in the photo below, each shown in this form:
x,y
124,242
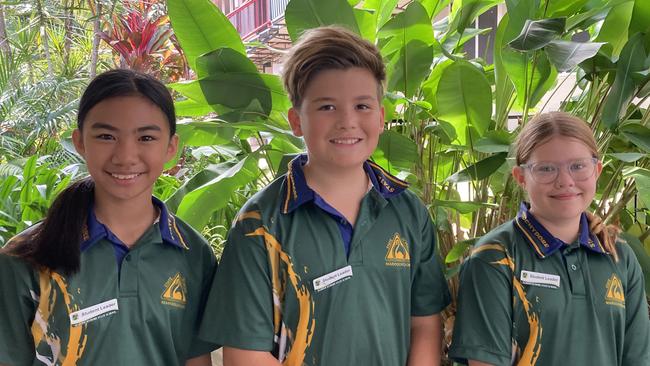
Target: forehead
x,y
342,83
126,114
561,148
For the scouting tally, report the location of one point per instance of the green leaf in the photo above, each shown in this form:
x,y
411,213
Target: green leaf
x,y
197,207
464,99
480,170
640,17
638,134
628,157
235,91
494,142
301,15
614,29
433,7
465,12
622,91
519,67
191,108
459,249
538,33
382,10
412,24
399,151
410,67
557,8
642,181
204,133
641,256
463,207
566,55
224,60
201,27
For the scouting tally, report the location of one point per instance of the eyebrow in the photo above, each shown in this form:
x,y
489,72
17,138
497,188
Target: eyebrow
x,y
329,99
106,126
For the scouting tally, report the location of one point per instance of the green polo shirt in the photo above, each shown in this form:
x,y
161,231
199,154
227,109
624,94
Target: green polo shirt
x,y
144,312
526,298
284,285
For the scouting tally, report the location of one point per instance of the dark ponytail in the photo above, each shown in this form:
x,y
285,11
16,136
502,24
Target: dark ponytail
x,y
47,245
55,243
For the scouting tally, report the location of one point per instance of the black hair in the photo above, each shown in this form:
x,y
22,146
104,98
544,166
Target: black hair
x,y
55,243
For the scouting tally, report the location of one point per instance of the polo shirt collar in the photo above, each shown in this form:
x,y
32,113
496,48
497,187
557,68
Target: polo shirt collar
x,y
297,192
94,230
543,242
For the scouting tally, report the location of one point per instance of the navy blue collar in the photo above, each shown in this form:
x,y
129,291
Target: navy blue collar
x,y
298,192
94,230
543,242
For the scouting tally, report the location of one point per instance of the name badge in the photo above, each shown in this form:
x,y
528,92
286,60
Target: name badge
x,y
332,278
540,279
94,312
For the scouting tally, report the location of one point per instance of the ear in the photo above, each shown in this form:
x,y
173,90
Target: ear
x,y
172,148
78,141
599,168
294,121
518,174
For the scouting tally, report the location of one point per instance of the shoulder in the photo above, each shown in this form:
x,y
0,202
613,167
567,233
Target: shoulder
x,y
497,244
267,202
408,204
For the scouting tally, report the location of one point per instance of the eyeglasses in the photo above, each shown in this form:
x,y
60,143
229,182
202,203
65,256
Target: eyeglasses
x,y
547,172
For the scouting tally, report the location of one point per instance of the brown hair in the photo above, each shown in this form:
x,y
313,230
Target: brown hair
x,y
327,48
545,126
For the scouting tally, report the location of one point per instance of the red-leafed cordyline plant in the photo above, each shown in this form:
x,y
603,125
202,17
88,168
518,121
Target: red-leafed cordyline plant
x,y
143,39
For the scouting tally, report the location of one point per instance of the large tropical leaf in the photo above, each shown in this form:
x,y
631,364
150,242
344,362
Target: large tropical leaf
x,y
480,170
301,15
556,8
638,134
409,68
532,80
434,7
224,60
412,24
566,55
197,206
464,99
614,29
538,33
622,91
399,151
465,12
641,255
201,27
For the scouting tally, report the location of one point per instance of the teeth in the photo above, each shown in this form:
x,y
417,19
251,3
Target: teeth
x,y
346,141
124,176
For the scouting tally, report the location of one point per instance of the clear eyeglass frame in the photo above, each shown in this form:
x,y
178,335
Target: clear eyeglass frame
x,y
541,174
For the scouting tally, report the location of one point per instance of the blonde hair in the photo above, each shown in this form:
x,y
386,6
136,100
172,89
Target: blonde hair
x,y
540,130
327,48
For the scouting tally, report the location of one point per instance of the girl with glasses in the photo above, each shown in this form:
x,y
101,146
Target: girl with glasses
x,y
544,289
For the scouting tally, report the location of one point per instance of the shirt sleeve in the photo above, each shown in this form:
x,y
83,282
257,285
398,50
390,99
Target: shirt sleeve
x,y
239,311
483,325
18,289
636,348
209,265
430,293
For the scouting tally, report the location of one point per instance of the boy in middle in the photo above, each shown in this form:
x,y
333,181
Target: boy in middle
x,y
333,263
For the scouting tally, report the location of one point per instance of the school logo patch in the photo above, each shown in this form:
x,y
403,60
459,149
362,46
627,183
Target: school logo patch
x,y
615,294
175,293
397,252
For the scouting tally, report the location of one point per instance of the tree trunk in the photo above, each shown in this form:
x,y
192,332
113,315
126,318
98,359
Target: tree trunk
x,y
44,39
4,40
96,7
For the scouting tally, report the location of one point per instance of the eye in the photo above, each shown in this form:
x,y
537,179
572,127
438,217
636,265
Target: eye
x,y
578,165
363,106
147,138
544,168
105,136
326,107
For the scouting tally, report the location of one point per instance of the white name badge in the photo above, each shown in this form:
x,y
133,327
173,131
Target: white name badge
x,y
540,279
93,312
332,278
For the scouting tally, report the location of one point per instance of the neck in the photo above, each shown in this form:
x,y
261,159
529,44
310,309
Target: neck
x,y
565,230
129,219
350,180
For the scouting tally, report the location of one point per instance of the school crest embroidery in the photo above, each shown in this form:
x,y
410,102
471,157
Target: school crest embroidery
x,y
615,294
175,293
397,252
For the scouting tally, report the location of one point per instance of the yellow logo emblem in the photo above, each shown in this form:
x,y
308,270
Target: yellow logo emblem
x,y
397,252
175,293
615,294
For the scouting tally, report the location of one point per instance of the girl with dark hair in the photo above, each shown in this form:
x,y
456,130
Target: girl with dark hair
x,y
109,277
554,286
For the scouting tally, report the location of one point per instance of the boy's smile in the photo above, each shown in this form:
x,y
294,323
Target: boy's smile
x,y
125,142
341,118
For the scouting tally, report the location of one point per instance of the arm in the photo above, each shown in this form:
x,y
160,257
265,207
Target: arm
x,y
636,349
241,357
426,340
203,360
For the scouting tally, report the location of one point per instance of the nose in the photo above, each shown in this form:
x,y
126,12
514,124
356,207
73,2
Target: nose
x,y
564,178
347,118
125,153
